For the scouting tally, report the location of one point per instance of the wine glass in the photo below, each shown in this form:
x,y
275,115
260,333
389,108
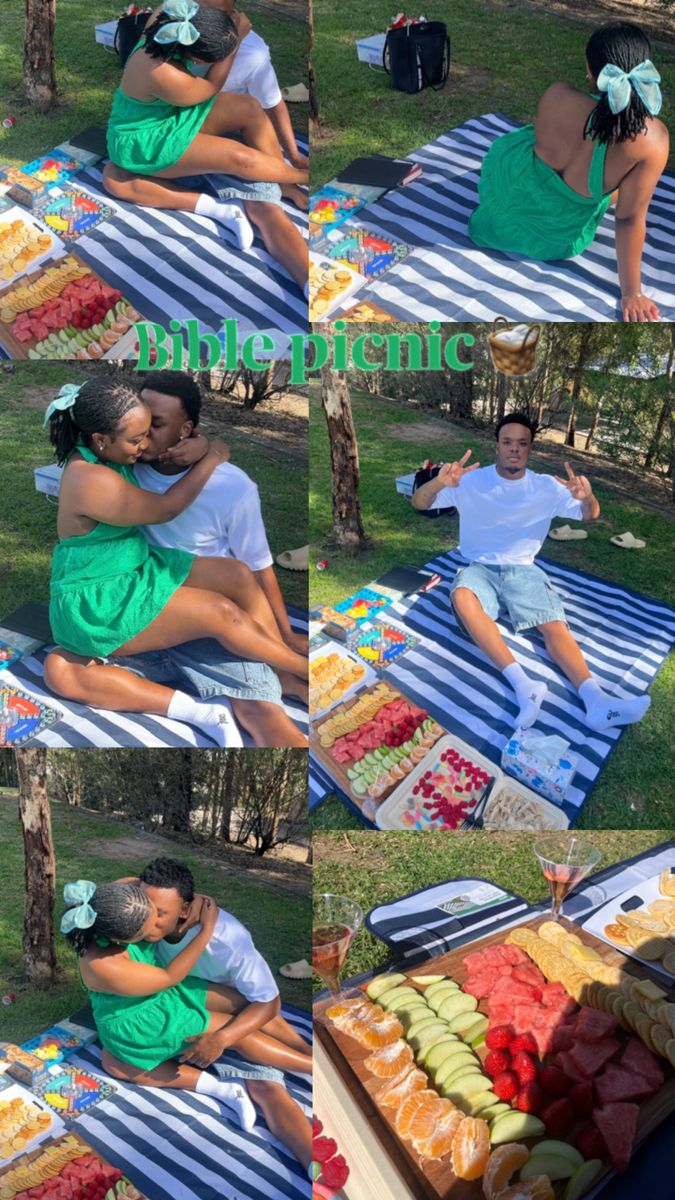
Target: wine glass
x,y
336,920
565,860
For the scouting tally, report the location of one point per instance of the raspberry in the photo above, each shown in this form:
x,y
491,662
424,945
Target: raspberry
x,y
590,1143
496,1062
581,1098
317,1127
554,1081
524,1041
505,1086
558,1117
499,1037
323,1148
529,1099
524,1066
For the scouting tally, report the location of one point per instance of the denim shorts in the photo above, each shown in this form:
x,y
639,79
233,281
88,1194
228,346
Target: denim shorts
x,y
525,593
207,670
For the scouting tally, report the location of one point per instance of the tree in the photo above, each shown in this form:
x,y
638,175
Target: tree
x,y
344,459
39,71
313,101
665,415
40,868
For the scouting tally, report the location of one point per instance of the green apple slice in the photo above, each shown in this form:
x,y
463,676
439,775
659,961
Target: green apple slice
x,y
396,993
422,1023
477,1103
514,1126
582,1179
456,1070
551,1146
474,1035
488,1114
452,1005
465,1087
427,980
405,1003
383,983
446,985
427,1037
436,1054
463,1020
556,1166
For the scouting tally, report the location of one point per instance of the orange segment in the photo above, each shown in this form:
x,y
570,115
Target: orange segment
x,y
539,1187
470,1148
502,1163
389,1061
440,1142
426,1119
409,1107
393,1094
380,1032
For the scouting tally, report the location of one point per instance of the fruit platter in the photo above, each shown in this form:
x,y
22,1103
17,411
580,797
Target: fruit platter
x,y
442,792
65,1169
24,245
333,676
24,1122
63,311
641,922
536,1057
371,742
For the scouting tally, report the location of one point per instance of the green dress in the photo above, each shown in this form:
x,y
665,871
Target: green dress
x,y
527,208
148,1030
109,584
147,136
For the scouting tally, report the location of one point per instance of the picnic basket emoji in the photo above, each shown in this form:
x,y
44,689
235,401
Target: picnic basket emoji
x,y
513,348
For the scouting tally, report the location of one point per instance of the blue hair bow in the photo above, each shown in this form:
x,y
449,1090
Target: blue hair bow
x,y
82,916
65,399
181,30
644,78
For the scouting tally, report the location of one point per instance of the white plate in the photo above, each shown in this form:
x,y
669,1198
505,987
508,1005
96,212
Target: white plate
x,y
554,817
390,813
356,281
365,681
647,891
57,1127
56,248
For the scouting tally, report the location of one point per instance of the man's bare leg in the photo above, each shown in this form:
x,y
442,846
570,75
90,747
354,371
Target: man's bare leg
x,y
267,723
565,652
603,711
275,1044
283,1117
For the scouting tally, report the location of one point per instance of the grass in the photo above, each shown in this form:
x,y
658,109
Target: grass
x,y
278,923
28,523
503,57
373,868
635,789
88,73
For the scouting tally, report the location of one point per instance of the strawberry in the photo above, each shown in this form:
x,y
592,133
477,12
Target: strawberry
x,y
505,1086
335,1172
524,1041
581,1098
317,1127
529,1099
590,1143
524,1066
496,1062
554,1081
499,1037
558,1117
323,1148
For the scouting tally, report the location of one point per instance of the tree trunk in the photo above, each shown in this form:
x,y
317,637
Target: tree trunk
x,y
344,459
502,395
666,410
39,71
585,338
594,424
311,84
39,869
178,805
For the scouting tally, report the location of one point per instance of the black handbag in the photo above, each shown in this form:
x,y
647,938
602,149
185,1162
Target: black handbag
x,y
417,56
128,34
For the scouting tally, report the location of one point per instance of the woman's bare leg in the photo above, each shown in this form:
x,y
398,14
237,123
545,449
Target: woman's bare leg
x,y
268,724
283,241
222,999
90,682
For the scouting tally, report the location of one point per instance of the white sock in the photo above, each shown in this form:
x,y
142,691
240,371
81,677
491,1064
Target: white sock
x,y
216,720
231,216
233,1094
530,695
603,711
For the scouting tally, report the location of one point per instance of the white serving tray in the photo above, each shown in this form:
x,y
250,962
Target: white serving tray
x,y
55,250
57,1127
390,813
555,817
369,677
647,891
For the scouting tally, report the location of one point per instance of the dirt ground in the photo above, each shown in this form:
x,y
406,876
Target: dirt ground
x,y
655,16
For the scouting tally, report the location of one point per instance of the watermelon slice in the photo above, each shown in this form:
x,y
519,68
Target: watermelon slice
x,y
589,1057
615,1084
637,1058
617,1123
593,1025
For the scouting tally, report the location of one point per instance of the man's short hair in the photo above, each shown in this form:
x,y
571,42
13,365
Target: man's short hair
x,y
179,384
516,418
170,873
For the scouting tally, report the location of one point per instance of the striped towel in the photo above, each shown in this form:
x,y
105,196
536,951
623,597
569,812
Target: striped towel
x,y
84,727
177,1144
624,636
178,265
448,278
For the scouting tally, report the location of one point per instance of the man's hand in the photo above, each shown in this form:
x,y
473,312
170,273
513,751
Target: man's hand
x,y
298,642
205,1049
242,24
187,451
299,161
208,915
577,485
450,474
193,913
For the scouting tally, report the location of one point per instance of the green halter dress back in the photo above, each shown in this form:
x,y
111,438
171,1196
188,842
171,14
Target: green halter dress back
x,y
527,208
147,136
109,584
148,1030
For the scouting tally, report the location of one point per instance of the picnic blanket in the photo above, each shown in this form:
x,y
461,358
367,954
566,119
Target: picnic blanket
x,y
625,637
448,278
183,1145
82,726
179,265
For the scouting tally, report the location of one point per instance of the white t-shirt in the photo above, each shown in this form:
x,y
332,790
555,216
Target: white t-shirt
x,y
224,521
505,521
230,958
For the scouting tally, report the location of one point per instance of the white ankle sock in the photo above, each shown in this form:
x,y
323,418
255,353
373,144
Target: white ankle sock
x,y
216,720
604,711
231,216
530,695
233,1094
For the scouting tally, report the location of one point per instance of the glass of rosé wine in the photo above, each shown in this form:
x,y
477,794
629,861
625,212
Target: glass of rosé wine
x,y
336,920
565,860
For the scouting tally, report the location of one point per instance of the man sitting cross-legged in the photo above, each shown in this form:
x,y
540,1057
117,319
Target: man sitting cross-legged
x,y
224,521
504,515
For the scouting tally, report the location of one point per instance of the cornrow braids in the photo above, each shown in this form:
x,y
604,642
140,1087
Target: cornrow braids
x,y
100,407
121,912
218,38
625,45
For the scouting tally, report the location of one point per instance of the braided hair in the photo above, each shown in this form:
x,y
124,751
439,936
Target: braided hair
x,y
100,407
218,37
121,912
624,45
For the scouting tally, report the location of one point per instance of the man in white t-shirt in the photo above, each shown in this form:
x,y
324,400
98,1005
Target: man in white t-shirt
x,y
505,512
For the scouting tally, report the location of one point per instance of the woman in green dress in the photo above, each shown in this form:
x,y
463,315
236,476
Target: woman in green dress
x,y
545,188
147,1014
167,124
114,594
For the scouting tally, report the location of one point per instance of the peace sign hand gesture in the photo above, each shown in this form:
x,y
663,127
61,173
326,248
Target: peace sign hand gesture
x,y
577,485
450,474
